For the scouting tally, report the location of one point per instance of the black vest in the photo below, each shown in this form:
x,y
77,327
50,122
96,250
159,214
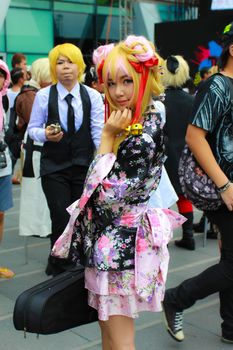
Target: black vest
x,y
75,150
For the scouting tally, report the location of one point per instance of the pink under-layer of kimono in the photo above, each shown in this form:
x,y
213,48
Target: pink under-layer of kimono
x,y
130,291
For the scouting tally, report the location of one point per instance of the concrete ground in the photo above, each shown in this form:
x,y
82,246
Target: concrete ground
x,y
201,322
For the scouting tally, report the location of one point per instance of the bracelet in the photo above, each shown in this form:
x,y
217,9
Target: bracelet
x,y
224,187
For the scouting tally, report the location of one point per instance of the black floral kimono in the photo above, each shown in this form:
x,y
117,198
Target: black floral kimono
x,y
121,241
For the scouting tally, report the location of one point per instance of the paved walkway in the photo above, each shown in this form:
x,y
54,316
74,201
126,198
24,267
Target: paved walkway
x,y
202,322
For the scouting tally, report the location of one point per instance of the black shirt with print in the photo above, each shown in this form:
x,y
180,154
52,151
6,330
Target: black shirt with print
x,y
213,112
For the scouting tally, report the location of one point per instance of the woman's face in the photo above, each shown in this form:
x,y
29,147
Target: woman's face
x,y
121,90
2,80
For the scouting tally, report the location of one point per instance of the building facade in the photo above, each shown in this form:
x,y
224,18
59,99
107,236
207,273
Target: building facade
x,y
33,27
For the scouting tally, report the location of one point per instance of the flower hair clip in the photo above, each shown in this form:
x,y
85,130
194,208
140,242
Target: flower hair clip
x,y
144,53
142,47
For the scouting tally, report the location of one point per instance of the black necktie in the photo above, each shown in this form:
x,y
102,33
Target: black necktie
x,y
70,115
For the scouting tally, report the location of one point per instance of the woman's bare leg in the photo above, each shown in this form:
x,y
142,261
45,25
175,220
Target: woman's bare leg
x,y
118,333
104,336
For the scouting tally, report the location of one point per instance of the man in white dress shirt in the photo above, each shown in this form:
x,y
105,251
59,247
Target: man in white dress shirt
x,y
69,147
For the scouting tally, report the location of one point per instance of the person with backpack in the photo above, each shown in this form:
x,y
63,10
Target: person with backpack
x,y
67,118
21,110
210,138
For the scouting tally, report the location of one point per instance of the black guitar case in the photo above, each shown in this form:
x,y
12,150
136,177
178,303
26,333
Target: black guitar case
x,y
54,305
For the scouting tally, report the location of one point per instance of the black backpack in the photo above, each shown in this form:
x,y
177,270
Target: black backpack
x,y
13,136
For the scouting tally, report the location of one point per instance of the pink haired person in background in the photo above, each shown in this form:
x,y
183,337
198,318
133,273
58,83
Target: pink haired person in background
x,y
112,231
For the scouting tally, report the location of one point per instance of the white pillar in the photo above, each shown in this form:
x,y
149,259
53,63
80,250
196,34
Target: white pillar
x,y
4,5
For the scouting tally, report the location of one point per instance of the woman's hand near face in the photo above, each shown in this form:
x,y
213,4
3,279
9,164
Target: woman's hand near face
x,y
117,122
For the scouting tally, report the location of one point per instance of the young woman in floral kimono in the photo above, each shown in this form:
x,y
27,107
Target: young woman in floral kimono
x,y
121,241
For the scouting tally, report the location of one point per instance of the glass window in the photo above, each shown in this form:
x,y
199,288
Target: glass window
x,y
73,25
102,28
29,31
79,25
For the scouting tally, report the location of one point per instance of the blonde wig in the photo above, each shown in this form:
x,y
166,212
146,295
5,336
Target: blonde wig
x,y
176,71
40,71
139,51
70,51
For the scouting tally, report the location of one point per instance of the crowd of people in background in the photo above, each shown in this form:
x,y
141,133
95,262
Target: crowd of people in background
x,y
61,107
